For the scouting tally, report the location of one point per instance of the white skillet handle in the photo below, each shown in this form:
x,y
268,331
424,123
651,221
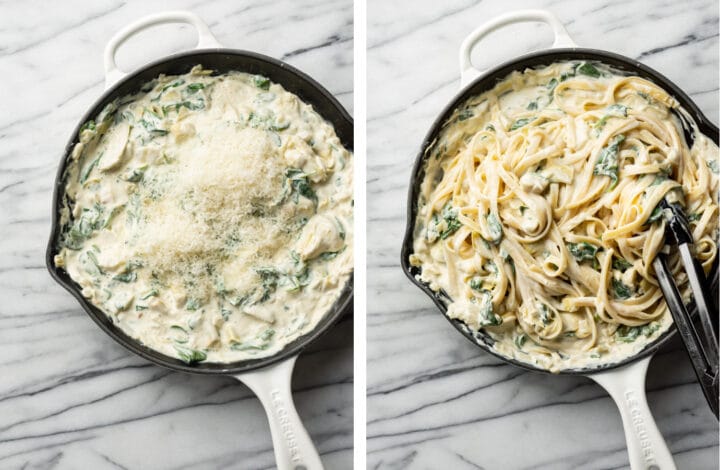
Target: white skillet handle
x,y
205,38
468,72
294,450
646,447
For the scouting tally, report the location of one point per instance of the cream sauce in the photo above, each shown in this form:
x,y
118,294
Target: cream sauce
x,y
210,216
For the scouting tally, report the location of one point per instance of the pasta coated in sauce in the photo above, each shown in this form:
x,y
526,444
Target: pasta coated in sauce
x,y
538,215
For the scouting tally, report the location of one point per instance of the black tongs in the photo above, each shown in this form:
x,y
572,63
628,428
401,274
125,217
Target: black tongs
x,y
700,336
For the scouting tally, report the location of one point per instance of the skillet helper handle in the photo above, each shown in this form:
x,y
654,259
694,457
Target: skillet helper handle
x,y
205,38
468,72
294,450
647,449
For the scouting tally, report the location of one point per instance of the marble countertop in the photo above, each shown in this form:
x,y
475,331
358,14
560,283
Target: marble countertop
x,y
435,400
70,397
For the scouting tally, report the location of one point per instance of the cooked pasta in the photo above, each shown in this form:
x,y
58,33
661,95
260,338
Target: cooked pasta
x,y
538,214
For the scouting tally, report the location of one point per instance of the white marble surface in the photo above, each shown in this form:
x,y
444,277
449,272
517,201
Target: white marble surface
x,y
70,397
435,400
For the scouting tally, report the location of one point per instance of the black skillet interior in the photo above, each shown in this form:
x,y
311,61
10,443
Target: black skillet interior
x,y
221,61
486,82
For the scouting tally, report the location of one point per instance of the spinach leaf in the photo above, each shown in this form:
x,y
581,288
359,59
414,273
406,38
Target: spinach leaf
x,y
545,313
465,114
152,293
301,277
520,339
192,304
620,290
300,185
713,165
617,109
107,114
277,127
646,97
151,122
588,69
476,283
91,256
269,278
261,82
565,75
88,169
607,163
583,251
88,126
621,264
659,179
262,342
235,346
225,313
194,87
552,84
614,110
174,84
239,300
267,334
188,355
199,103
628,334
129,276
179,334
257,121
328,255
600,123
298,280
486,315
90,219
521,122
655,215
495,229
190,99
532,106
452,224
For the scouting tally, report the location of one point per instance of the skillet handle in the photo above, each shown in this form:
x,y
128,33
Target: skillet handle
x,y
205,38
468,72
647,449
294,450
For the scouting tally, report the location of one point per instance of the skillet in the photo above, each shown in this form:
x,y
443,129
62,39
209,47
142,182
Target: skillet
x,y
624,380
269,377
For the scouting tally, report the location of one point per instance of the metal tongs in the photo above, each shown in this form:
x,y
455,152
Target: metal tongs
x,y
700,335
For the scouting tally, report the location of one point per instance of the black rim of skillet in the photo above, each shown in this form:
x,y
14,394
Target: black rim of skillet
x,y
221,61
486,82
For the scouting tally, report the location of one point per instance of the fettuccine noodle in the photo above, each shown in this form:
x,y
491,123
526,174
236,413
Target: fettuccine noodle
x,y
538,215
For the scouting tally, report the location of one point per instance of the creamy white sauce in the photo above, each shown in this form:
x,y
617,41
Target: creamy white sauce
x,y
210,217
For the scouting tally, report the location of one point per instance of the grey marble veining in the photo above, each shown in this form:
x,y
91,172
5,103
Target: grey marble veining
x,y
435,400
69,396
